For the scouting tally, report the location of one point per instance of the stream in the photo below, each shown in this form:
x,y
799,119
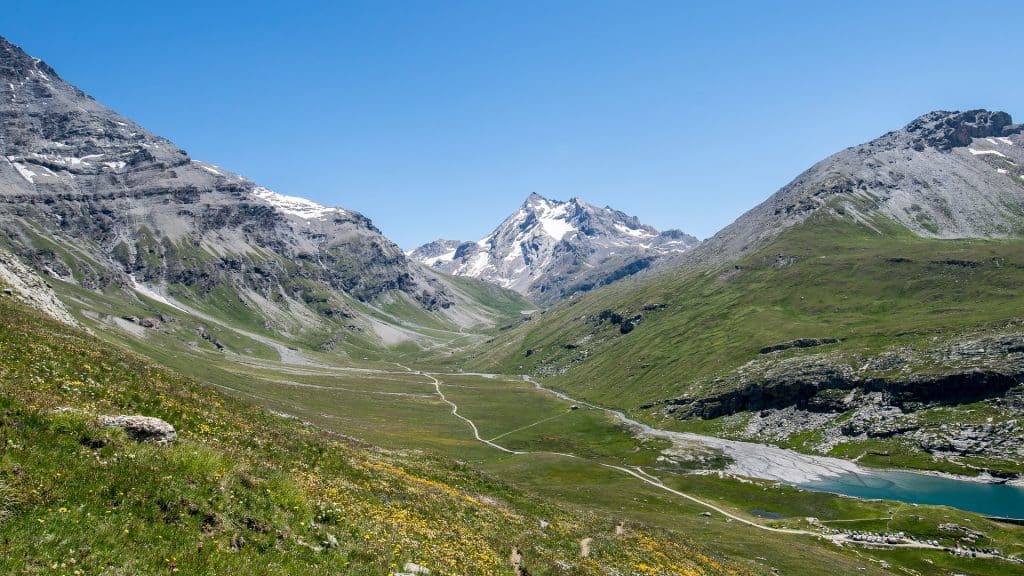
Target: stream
x,y
835,475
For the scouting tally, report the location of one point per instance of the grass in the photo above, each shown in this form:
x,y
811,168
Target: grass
x,y
243,491
522,418
230,454
275,484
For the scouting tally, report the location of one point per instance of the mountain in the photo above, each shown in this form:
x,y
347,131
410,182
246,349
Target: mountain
x,y
944,175
549,250
91,199
870,308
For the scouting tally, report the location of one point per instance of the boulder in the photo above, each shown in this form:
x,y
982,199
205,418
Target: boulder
x,y
142,428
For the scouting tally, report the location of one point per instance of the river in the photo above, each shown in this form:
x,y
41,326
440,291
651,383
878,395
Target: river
x,y
835,475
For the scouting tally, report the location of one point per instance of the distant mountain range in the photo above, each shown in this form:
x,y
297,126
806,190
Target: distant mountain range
x,y
549,250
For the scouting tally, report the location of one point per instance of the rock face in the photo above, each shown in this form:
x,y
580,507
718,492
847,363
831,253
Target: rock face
x,y
90,197
798,343
948,130
944,175
28,287
833,382
549,250
845,398
143,428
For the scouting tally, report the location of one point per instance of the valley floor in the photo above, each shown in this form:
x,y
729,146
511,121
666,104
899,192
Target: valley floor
x,y
736,497
599,458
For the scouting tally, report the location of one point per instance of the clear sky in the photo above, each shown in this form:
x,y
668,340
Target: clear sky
x,y
437,119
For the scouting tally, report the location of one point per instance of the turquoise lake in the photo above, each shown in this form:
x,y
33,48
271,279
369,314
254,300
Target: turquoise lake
x,y
988,499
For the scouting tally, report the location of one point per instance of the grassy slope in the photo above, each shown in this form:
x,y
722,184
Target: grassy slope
x,y
874,291
246,492
521,417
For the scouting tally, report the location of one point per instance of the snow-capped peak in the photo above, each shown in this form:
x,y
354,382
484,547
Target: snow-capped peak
x,y
549,246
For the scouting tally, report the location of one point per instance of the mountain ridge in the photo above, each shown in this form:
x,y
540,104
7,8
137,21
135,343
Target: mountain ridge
x,y
91,198
868,309
922,175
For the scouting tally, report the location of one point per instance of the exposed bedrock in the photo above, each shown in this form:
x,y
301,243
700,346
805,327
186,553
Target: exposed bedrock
x,y
959,373
816,392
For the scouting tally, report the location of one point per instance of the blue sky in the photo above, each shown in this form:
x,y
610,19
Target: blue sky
x,y
436,119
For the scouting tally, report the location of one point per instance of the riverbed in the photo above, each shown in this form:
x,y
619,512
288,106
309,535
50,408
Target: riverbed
x,y
835,475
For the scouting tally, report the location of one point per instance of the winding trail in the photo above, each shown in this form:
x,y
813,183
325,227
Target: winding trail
x,y
639,474
635,472
455,412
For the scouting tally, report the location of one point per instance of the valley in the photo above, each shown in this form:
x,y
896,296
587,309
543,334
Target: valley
x,y
835,379
511,427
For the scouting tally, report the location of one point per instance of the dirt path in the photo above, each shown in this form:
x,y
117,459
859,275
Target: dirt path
x,y
639,475
455,412
654,481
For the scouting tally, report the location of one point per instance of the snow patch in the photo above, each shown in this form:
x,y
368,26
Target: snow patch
x,y
984,152
477,264
556,227
552,220
1001,170
24,171
1005,140
295,206
212,169
635,233
446,257
150,293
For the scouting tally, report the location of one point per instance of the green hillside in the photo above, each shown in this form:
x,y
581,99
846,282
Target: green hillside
x,y
245,492
700,332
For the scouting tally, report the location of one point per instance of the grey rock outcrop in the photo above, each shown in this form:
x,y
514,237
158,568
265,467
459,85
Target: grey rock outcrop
x,y
549,250
846,398
142,428
798,343
22,283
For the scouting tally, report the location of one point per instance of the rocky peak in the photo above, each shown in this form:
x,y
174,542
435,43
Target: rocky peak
x,y
548,249
945,130
944,175
15,63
